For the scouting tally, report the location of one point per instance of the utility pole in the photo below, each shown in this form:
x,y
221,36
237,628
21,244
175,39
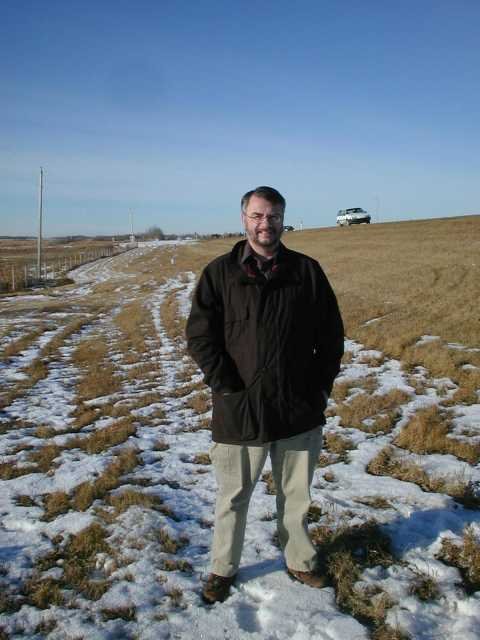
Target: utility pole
x,y
39,239
132,237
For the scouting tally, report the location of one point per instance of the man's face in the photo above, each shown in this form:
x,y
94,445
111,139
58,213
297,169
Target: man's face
x,y
263,223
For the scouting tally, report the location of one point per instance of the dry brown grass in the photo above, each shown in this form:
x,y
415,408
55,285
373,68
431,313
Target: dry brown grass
x,y
267,477
77,558
383,409
45,627
9,603
175,596
105,438
24,251
424,586
83,416
120,409
386,632
375,502
45,432
173,322
369,383
200,403
44,456
419,384
329,476
324,459
135,323
90,352
338,444
202,458
438,359
314,513
58,340
367,606
24,501
469,385
345,552
7,426
55,504
87,492
99,382
42,459
99,374
10,470
18,345
465,556
43,592
427,432
147,399
342,387
185,390
160,445
168,543
38,368
124,613
174,564
188,370
203,423
372,360
121,502
368,543
142,372
386,463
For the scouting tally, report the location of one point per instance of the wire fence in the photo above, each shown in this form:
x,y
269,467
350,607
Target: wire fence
x,y
22,274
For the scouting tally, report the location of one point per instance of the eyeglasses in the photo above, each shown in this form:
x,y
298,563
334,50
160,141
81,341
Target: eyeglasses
x,y
258,217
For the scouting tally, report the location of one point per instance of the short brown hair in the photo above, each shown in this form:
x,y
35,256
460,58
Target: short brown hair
x,y
267,193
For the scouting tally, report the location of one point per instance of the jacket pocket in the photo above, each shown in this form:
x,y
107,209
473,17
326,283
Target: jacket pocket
x,y
238,415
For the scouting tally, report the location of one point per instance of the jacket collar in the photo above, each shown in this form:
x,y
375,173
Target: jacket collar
x,y
286,265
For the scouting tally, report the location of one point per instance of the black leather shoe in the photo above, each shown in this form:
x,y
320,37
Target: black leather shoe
x,y
216,588
313,579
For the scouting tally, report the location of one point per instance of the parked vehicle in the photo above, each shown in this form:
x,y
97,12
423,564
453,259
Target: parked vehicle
x,y
356,215
288,227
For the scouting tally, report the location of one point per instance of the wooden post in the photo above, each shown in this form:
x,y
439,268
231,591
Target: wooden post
x,y
13,278
40,213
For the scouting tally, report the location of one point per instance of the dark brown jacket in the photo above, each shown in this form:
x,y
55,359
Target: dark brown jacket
x,y
267,348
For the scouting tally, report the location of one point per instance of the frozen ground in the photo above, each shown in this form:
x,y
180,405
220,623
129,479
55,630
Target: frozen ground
x,y
264,604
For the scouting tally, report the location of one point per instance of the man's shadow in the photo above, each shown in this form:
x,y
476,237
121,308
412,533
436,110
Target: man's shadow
x,y
422,528
419,529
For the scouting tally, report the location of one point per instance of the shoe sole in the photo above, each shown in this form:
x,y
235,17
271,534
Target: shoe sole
x,y
312,586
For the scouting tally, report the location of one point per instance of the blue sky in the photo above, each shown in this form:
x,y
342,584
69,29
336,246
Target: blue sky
x,y
174,109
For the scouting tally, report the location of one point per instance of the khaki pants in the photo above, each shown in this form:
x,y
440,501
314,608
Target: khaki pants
x,y
238,468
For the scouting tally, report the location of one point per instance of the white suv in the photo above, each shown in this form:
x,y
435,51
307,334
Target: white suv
x,y
352,216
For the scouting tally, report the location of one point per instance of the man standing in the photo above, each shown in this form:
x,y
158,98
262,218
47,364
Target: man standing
x,y
266,331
